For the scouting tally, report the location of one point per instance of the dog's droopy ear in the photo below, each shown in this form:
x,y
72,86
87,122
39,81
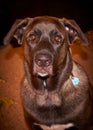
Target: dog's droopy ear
x,y
74,32
17,31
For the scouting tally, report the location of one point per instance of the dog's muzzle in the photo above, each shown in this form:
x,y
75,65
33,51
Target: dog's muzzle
x,y
43,64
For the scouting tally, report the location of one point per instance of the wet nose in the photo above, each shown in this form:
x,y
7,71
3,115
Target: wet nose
x,y
43,60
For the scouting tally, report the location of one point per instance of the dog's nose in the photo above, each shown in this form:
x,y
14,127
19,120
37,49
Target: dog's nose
x,y
43,60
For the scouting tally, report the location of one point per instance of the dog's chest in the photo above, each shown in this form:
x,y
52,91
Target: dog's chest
x,y
54,104
48,99
56,107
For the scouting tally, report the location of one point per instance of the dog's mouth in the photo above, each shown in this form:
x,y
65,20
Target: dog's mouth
x,y
43,80
43,72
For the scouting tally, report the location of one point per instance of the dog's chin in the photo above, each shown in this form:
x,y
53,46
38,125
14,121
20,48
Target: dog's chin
x,y
42,78
42,75
44,72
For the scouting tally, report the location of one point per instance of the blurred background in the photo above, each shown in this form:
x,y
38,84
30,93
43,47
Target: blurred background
x,y
80,11
11,58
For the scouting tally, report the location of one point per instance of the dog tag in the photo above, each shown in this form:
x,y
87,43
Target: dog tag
x,y
75,80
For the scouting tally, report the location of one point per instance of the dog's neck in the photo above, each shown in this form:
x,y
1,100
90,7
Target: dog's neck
x,y
66,70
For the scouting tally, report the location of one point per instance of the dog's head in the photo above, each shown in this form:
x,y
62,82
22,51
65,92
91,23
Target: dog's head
x,y
46,43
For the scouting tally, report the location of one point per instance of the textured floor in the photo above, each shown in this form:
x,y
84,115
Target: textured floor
x,y
11,73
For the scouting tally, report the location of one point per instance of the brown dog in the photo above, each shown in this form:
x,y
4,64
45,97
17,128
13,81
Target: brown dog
x,y
56,92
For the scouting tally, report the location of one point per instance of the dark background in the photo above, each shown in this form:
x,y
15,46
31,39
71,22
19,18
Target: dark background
x,y
80,11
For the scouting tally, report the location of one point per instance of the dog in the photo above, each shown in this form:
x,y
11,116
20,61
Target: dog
x,y
56,92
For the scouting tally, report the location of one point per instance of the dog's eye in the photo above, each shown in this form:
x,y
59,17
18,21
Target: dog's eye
x,y
32,37
58,38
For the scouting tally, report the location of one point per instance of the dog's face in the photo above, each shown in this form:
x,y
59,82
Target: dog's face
x,y
46,47
46,43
